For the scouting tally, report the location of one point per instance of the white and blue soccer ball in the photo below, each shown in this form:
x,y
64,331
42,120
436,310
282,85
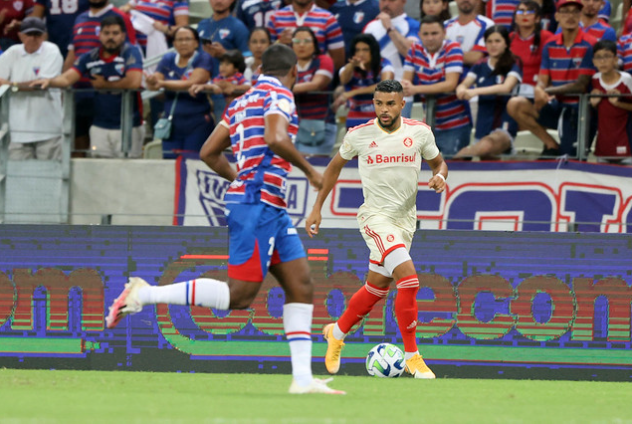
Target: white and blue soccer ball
x,y
385,360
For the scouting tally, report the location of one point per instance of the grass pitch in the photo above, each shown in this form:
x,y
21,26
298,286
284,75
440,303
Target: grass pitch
x,y
35,396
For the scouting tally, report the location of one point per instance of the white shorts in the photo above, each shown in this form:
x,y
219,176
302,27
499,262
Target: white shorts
x,y
106,143
382,236
44,150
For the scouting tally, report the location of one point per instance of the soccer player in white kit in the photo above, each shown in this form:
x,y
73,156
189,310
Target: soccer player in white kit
x,y
389,150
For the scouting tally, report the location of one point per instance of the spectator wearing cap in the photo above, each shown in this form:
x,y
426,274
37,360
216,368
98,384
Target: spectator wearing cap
x,y
12,12
35,117
115,65
591,22
220,33
566,69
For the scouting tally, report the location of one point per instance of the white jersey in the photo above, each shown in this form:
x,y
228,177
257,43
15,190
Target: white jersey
x,y
389,166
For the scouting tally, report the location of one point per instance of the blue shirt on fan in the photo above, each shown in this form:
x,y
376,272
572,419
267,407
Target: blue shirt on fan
x,y
107,106
230,32
186,105
492,108
354,17
60,19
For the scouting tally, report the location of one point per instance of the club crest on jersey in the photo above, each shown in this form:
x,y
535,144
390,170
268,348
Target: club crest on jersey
x,y
390,238
223,33
577,61
120,68
36,70
358,17
408,142
18,5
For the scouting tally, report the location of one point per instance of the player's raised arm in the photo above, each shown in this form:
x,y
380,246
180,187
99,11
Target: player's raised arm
x,y
439,173
329,180
212,152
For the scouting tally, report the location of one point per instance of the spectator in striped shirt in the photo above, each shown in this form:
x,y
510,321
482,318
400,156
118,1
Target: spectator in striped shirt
x,y
315,72
624,51
566,69
324,25
592,23
163,12
437,64
467,29
502,11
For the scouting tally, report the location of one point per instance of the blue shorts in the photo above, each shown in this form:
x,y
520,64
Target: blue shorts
x,y
260,235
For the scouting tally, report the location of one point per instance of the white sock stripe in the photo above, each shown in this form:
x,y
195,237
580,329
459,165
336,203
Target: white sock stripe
x,y
375,291
407,286
408,283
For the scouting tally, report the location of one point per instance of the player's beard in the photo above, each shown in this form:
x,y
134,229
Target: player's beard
x,y
391,125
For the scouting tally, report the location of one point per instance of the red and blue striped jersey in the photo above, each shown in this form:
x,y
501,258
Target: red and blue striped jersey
x,y
624,50
599,30
321,21
87,27
163,11
314,106
262,175
431,69
236,79
502,11
361,108
564,66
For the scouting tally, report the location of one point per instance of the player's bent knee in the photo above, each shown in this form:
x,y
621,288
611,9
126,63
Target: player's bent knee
x,y
396,258
242,294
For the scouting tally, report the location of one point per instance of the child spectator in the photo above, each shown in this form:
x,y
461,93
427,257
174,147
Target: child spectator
x,y
230,82
440,8
527,42
495,77
365,69
613,136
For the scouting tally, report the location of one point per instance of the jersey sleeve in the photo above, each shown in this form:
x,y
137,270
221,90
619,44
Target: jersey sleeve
x,y
241,38
204,61
133,59
163,65
279,102
334,34
274,34
348,150
326,66
545,64
225,118
81,62
409,63
516,71
53,65
429,149
181,8
454,59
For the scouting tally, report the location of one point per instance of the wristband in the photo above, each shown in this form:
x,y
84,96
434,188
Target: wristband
x,y
438,174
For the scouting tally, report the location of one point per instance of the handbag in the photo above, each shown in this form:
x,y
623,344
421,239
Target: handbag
x,y
311,132
162,129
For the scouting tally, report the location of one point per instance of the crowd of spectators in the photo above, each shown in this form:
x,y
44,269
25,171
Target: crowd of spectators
x,y
495,66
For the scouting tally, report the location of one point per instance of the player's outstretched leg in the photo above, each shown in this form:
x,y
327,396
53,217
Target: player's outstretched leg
x,y
137,293
360,304
406,312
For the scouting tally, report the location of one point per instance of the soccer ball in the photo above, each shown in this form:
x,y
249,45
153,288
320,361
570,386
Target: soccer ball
x,y
385,360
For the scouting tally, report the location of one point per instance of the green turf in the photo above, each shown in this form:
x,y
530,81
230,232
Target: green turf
x,y
91,396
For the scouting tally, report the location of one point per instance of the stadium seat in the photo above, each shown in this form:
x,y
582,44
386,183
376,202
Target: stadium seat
x,y
617,18
153,150
527,144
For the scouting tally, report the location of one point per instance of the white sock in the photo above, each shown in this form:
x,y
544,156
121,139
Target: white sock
x,y
297,323
408,355
338,334
199,292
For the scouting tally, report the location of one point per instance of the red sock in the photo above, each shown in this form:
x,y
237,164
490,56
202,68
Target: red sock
x,y
360,304
406,311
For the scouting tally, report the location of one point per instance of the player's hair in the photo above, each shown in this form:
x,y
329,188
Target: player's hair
x,y
389,86
374,47
506,60
607,45
114,20
278,60
192,30
431,19
311,33
235,58
264,29
443,16
537,36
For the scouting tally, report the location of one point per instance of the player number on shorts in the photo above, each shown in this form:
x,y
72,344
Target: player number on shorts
x,y
67,7
270,250
241,159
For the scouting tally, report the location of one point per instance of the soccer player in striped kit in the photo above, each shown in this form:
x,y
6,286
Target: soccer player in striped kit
x,y
260,126
389,150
